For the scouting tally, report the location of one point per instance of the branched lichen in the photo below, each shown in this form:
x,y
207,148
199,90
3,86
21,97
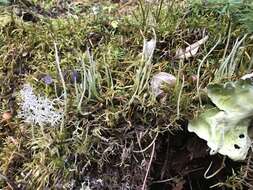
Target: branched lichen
x,y
37,110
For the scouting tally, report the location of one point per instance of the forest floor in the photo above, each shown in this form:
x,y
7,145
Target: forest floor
x,y
106,129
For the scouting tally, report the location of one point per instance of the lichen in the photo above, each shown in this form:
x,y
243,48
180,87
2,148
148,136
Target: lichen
x,y
225,127
37,109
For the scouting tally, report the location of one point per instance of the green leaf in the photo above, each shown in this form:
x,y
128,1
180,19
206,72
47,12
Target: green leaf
x,y
202,125
222,134
225,127
236,141
233,97
4,2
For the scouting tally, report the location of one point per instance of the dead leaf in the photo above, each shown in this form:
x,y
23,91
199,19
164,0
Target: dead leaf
x,y
247,76
191,50
6,116
149,48
179,185
13,140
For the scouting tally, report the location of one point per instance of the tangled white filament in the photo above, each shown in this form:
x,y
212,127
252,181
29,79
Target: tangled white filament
x,y
36,109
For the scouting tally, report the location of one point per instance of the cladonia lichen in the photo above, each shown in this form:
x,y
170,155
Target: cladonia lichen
x,y
37,109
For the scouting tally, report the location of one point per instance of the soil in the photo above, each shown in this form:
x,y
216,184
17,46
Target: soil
x,y
186,156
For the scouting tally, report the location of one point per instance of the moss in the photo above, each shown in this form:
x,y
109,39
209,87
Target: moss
x,y
105,108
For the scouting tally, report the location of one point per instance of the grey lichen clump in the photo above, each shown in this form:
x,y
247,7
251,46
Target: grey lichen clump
x,y
36,109
225,127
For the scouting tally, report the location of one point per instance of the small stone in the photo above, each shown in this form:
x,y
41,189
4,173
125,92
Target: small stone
x,y
160,80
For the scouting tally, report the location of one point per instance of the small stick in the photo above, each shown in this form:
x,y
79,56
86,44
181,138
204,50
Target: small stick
x,y
149,165
143,150
217,171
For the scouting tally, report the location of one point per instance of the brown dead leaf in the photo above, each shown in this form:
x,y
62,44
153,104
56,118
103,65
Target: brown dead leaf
x,y
6,116
179,185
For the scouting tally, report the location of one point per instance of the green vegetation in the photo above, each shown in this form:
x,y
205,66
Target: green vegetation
x,y
92,53
225,128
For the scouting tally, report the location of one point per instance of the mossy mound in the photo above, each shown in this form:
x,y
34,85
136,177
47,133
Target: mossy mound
x,y
115,134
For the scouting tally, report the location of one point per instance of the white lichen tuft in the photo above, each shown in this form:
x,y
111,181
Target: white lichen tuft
x,y
37,110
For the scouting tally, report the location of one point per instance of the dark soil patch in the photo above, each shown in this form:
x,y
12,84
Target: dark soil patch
x,y
181,162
